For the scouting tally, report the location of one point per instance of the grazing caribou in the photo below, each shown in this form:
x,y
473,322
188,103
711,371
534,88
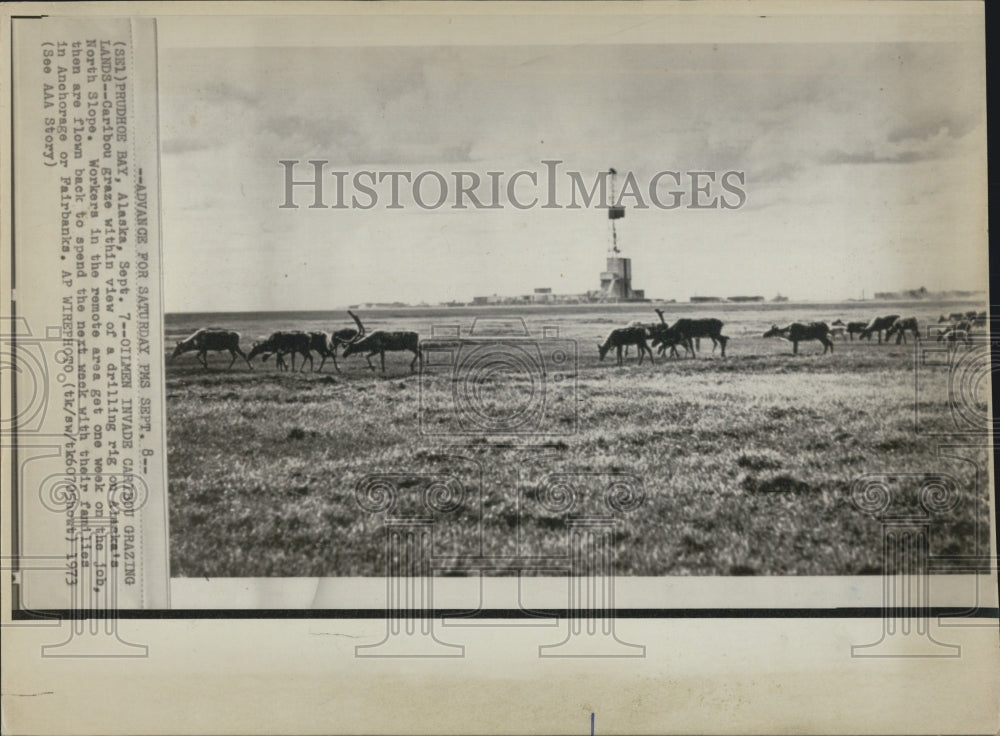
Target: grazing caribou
x,y
693,329
282,343
798,332
211,338
380,342
953,317
877,325
622,336
664,337
900,327
855,328
838,328
347,335
955,335
639,323
659,335
323,343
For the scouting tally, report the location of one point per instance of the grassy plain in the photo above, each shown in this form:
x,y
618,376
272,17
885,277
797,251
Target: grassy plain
x,y
745,464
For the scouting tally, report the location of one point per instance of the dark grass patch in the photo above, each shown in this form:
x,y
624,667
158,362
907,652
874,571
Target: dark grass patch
x,y
758,461
782,483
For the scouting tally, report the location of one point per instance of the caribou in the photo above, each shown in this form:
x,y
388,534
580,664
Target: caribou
x,y
953,317
661,336
323,343
693,329
347,335
877,325
855,328
798,332
282,343
955,335
380,342
639,323
664,337
211,338
623,336
900,327
845,329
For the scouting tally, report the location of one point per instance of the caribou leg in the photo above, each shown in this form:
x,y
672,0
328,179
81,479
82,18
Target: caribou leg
x,y
244,356
381,356
795,347
416,357
230,366
369,359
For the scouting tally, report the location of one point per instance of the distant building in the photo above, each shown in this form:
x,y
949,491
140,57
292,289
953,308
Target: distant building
x,y
616,280
542,296
746,298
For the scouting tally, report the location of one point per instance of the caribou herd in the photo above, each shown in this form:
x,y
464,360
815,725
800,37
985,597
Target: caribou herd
x,y
292,343
686,333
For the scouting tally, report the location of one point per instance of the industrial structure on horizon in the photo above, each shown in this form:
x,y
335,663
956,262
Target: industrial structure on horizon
x,y
615,279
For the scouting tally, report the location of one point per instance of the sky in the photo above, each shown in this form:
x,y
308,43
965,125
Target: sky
x,y
864,167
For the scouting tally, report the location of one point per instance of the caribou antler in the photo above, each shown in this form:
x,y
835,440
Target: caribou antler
x,y
361,327
660,313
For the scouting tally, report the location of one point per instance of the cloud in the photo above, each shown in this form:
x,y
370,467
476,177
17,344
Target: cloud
x,y
871,157
920,130
222,92
777,171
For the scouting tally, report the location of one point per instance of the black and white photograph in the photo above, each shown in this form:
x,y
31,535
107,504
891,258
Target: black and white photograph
x,y
452,367
701,276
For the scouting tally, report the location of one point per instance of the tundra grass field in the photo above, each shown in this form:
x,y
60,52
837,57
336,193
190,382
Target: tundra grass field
x,y
745,464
